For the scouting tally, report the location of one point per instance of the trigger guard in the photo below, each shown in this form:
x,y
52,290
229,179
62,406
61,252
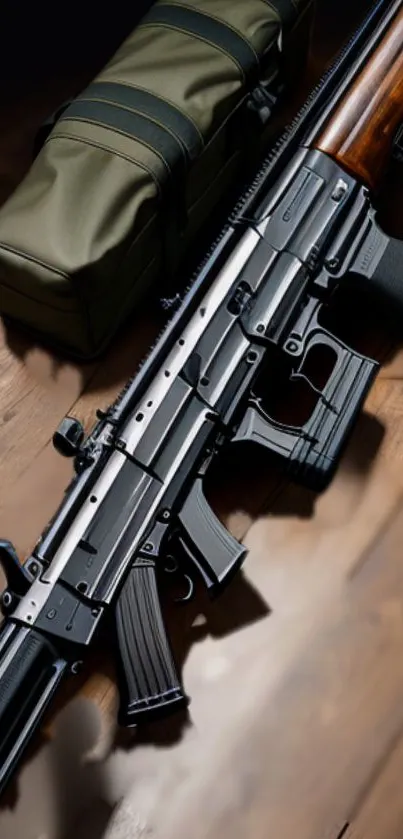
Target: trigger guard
x,y
190,592
322,338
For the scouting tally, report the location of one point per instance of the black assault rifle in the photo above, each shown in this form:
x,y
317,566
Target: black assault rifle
x,y
305,224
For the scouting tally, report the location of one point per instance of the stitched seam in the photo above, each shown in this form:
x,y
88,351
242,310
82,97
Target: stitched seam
x,y
35,299
162,99
101,297
218,20
30,258
197,38
122,133
278,14
52,268
276,11
104,147
150,221
175,136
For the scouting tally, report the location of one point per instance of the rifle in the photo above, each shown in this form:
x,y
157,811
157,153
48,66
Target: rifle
x,y
136,505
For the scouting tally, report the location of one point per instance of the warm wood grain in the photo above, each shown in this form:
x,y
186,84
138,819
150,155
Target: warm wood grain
x,y
324,729
360,134
381,809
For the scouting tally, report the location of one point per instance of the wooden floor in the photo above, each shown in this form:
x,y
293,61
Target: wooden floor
x,y
296,674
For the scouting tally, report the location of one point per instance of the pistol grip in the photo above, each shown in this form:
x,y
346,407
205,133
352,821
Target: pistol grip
x,y
148,681
378,269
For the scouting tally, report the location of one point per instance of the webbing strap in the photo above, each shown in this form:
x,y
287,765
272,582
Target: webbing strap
x,y
165,145
286,9
149,106
200,25
168,148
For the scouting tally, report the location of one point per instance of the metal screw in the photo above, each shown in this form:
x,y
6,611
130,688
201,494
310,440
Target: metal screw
x,y
94,612
171,565
148,546
76,667
252,357
260,327
34,568
165,515
7,599
332,264
292,346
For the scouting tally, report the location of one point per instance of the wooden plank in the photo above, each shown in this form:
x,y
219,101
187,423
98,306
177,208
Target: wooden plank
x,y
318,735
380,813
37,390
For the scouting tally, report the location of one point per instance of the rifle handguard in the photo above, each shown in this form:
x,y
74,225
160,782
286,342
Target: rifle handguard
x,y
30,672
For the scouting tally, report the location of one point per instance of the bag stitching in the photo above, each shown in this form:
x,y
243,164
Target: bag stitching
x,y
276,11
122,133
218,20
197,38
107,148
34,259
34,299
175,136
161,98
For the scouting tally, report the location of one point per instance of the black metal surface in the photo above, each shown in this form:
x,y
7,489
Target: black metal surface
x,y
30,671
65,618
214,550
68,437
18,578
148,681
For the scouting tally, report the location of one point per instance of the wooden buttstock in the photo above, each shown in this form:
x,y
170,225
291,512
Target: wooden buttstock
x,y
360,133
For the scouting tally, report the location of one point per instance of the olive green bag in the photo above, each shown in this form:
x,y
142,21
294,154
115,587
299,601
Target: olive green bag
x,y
135,165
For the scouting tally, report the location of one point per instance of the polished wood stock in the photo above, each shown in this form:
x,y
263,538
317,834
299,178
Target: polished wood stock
x,y
360,133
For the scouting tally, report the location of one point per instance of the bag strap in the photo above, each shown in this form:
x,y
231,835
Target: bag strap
x,y
202,26
287,10
149,106
167,147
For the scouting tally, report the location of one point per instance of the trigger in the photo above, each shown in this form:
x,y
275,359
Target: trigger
x,y
191,556
207,542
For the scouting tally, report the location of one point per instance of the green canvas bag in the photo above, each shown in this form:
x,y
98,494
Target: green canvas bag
x,y
135,165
